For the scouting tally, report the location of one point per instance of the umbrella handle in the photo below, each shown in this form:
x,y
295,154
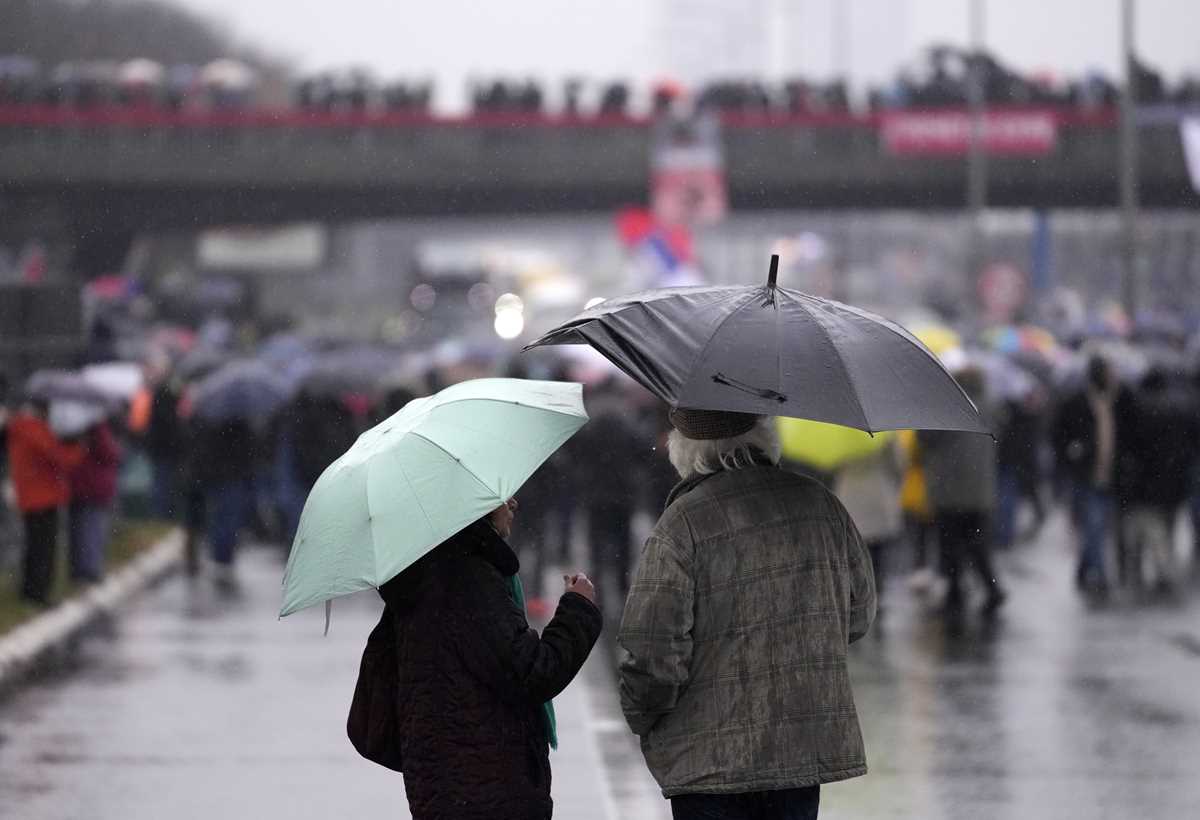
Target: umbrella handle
x,y
773,273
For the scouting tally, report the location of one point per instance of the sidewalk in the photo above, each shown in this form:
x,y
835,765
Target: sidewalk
x,y
52,632
204,706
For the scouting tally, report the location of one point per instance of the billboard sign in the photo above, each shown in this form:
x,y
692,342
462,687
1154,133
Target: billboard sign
x,y
948,133
285,249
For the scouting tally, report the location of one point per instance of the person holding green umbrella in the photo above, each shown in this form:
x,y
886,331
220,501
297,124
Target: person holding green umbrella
x,y
454,689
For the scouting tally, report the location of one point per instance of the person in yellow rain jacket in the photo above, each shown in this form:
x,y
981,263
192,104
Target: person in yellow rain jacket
x,y
918,516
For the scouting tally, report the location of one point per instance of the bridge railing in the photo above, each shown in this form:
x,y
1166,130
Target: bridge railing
x,y
45,116
262,164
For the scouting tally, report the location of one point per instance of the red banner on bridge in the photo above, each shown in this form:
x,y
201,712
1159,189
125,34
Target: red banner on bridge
x,y
948,133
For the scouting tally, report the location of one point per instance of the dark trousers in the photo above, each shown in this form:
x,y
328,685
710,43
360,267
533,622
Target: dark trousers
x,y
41,546
609,534
1194,508
228,505
922,536
785,804
8,526
965,540
877,548
1093,508
88,529
164,486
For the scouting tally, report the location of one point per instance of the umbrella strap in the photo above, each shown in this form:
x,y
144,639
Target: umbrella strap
x,y
328,614
761,392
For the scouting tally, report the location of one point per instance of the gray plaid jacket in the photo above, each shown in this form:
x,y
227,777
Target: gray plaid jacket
x,y
732,648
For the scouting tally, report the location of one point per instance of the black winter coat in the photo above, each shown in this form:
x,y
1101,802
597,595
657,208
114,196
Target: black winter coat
x,y
1073,435
1162,447
471,678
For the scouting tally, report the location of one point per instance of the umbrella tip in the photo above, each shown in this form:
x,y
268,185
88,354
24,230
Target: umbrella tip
x,y
773,274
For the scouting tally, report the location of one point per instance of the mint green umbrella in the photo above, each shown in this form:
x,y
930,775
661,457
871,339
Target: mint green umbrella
x,y
412,481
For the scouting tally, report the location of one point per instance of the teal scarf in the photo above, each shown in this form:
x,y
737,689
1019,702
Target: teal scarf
x,y
518,594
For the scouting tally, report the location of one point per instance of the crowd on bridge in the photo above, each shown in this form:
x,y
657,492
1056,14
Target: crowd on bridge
x,y
940,78
231,438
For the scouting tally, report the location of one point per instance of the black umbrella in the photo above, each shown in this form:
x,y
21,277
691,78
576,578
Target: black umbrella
x,y
773,351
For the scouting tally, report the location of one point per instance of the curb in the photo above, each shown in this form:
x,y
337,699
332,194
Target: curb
x,y
25,648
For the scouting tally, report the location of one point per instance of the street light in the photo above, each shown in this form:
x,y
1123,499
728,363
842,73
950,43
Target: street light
x,y
977,182
1128,159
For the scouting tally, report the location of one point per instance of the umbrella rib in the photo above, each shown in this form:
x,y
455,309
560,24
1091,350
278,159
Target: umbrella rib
x,y
746,299
841,360
904,335
908,337
502,401
412,490
516,445
778,346
466,469
425,413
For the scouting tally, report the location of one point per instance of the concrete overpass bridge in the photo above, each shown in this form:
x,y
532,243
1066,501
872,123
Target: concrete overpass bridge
x,y
118,171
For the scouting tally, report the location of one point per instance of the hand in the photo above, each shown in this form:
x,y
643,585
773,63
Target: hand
x,y
579,583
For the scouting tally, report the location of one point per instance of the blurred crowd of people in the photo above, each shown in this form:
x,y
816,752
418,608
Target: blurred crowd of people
x,y
939,78
137,83
52,473
235,435
231,436
1128,451
357,91
942,79
1109,433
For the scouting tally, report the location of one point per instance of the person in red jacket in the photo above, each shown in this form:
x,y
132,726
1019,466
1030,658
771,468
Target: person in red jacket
x,y
39,465
93,489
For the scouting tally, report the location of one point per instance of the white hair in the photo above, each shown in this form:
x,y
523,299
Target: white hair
x,y
691,457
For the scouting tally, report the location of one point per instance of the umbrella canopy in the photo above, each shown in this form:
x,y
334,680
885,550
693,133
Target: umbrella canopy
x,y
290,356
141,71
247,389
69,418
1005,379
773,351
119,380
201,362
1023,339
284,348
227,73
826,446
420,476
17,66
1128,362
347,370
68,385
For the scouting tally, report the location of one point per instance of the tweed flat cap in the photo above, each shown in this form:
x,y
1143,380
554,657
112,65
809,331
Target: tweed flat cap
x,y
708,425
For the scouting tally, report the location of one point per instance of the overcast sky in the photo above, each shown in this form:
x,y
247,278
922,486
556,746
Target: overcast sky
x,y
450,40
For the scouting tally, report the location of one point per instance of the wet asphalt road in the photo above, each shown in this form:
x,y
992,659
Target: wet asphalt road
x,y
1059,709
195,705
